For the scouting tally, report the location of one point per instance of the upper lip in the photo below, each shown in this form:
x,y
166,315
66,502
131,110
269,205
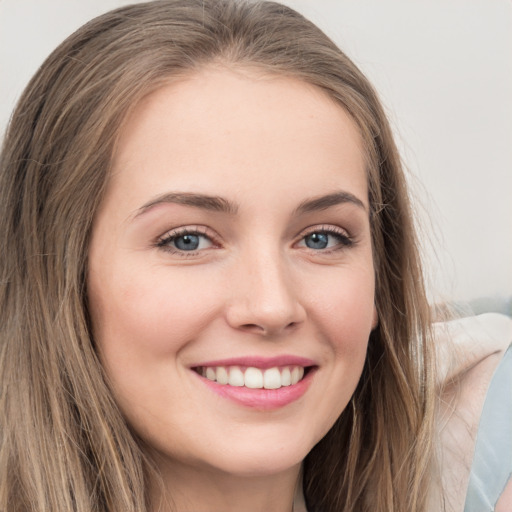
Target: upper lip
x,y
260,362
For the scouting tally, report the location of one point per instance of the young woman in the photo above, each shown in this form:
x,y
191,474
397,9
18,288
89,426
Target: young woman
x,y
211,295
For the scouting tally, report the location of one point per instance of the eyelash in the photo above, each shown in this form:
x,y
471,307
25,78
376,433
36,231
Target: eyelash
x,y
165,242
345,241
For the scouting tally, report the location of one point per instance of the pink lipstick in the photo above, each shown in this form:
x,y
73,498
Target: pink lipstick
x,y
262,383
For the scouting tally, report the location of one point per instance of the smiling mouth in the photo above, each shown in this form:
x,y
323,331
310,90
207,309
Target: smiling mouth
x,y
252,377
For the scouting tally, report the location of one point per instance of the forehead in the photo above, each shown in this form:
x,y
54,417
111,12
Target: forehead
x,y
220,125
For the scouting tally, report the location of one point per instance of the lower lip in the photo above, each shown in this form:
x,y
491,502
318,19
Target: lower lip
x,y
263,399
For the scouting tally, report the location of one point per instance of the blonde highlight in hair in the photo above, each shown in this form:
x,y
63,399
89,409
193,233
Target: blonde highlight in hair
x,y
64,444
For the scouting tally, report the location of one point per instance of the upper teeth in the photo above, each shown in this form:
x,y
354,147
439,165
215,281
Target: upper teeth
x,y
272,378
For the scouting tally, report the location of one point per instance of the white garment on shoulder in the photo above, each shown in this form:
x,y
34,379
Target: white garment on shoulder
x,y
470,351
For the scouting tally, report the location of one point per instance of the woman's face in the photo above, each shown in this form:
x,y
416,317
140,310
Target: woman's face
x,y
234,244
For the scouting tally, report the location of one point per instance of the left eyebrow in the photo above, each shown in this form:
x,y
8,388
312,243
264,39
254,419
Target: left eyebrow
x,y
324,202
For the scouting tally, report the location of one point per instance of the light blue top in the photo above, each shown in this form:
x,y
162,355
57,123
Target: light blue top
x,y
492,461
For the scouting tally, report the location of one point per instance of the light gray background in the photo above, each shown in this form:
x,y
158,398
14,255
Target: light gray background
x,y
443,69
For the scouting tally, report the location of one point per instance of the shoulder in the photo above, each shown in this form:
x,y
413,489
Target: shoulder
x,y
469,352
465,343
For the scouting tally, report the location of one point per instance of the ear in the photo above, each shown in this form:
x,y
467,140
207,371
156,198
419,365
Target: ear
x,y
375,321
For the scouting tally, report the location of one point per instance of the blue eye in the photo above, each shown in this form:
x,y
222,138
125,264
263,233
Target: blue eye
x,y
326,239
317,240
185,241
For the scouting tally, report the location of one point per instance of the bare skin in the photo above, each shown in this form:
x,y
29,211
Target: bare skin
x,y
264,178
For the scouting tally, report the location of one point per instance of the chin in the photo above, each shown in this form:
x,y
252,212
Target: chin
x,y
253,457
256,466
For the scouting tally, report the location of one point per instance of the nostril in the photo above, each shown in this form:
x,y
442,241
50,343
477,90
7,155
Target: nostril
x,y
267,330
255,328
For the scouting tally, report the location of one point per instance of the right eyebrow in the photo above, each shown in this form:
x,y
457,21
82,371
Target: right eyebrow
x,y
202,201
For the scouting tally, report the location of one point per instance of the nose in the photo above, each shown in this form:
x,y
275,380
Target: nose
x,y
265,299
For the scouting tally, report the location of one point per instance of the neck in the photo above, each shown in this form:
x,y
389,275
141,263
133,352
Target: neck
x,y
189,489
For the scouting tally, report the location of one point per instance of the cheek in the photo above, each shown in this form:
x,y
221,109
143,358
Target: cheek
x,y
345,315
148,314
142,321
345,308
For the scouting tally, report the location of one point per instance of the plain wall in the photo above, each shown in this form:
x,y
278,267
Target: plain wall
x,y
443,69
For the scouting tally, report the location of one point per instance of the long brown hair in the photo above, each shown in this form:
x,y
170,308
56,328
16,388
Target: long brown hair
x,y
64,444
